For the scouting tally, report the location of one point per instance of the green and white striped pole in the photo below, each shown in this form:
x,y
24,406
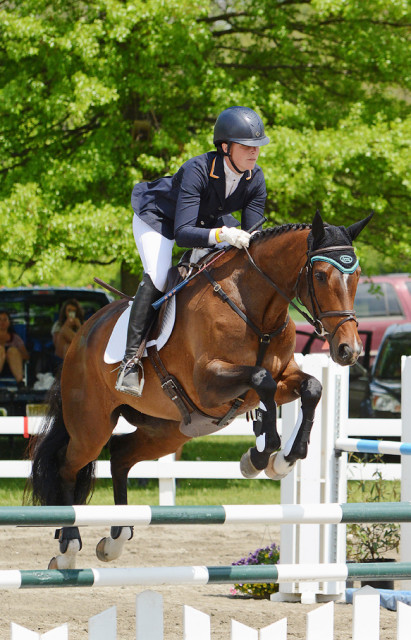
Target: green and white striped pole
x,y
155,576
220,514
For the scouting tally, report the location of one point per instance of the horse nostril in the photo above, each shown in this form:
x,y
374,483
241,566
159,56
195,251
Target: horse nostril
x,y
345,352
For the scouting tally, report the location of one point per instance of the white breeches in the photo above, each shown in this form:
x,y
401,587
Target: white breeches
x,y
155,252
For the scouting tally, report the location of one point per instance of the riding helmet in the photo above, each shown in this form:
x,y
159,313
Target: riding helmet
x,y
242,125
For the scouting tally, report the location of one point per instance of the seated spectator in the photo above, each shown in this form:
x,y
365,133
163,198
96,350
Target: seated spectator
x,y
70,319
12,349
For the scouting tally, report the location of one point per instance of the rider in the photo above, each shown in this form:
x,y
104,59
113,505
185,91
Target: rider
x,y
193,208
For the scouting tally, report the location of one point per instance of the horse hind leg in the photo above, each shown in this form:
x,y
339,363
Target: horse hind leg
x,y
296,448
111,547
46,484
73,492
155,437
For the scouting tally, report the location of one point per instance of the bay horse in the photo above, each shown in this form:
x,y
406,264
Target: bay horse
x,y
231,351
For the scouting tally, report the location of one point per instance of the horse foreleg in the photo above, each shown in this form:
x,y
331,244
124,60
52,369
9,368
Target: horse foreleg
x,y
221,382
296,447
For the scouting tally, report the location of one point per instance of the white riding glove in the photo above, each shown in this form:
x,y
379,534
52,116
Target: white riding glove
x,y
236,237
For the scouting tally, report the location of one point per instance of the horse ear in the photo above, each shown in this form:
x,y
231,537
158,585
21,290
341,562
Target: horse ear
x,y
357,227
318,228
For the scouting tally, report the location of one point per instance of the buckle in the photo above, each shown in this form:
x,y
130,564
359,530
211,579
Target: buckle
x,y
170,389
319,328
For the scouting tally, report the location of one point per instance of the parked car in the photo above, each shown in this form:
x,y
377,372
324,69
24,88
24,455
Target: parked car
x,y
383,399
380,301
34,311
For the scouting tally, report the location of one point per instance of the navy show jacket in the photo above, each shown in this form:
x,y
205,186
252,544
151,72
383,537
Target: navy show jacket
x,y
188,204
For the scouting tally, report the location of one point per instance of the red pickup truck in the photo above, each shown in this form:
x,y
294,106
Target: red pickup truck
x,y
380,301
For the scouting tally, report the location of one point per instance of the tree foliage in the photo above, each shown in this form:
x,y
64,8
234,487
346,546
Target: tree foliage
x,y
96,96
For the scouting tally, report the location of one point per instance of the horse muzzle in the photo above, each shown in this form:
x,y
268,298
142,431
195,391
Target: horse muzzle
x,y
345,354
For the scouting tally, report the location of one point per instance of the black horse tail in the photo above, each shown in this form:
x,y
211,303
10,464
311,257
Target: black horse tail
x,y
47,451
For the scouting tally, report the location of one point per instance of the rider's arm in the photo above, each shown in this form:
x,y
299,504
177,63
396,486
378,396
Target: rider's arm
x,y
193,184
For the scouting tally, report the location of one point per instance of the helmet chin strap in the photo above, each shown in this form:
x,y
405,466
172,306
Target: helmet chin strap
x,y
228,154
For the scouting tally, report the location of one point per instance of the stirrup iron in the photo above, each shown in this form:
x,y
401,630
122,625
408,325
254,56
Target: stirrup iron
x,y
136,390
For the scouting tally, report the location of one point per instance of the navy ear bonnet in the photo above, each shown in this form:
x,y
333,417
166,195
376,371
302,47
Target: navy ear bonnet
x,y
335,248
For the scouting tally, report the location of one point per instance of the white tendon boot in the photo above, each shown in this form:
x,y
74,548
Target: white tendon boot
x,y
278,467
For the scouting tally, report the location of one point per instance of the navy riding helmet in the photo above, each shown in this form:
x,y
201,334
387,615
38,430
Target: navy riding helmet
x,y
242,125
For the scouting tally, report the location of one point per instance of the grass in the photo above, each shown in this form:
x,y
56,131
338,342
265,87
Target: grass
x,y
362,491
189,492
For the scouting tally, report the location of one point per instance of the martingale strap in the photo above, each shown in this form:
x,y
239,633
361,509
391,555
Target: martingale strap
x,y
265,338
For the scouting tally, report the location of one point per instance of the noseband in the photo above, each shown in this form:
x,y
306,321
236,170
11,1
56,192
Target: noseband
x,y
317,314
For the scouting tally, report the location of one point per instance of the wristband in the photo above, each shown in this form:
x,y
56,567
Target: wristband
x,y
217,234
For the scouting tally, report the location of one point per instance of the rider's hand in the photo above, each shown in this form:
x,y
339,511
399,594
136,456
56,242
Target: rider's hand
x,y
236,237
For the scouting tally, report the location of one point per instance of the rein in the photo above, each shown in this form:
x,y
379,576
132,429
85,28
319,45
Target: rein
x,y
318,314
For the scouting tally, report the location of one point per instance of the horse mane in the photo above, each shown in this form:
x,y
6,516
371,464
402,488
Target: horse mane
x,y
276,231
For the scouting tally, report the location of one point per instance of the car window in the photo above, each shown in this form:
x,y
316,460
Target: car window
x,y
408,285
376,300
388,365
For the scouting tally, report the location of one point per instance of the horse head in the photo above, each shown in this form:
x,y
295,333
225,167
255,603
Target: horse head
x,y
332,274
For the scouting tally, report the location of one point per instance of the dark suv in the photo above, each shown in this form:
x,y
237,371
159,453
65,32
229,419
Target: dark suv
x,y
34,311
384,396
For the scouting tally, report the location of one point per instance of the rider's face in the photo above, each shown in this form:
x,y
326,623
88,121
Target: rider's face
x,y
243,157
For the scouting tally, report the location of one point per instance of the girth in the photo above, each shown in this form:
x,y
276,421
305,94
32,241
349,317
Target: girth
x,y
176,392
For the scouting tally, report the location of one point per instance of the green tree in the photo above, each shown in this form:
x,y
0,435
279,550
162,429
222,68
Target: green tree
x,y
96,96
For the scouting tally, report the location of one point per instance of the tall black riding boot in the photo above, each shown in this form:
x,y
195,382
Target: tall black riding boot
x,y
141,316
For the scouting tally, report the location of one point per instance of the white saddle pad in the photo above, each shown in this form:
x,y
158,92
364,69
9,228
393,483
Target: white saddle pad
x,y
116,345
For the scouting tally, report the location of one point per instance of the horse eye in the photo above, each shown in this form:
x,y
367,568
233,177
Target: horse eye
x,y
320,276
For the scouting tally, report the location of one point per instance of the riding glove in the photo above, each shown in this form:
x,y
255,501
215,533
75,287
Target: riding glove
x,y
236,237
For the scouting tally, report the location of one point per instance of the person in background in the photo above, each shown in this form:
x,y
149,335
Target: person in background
x,y
193,208
70,319
12,349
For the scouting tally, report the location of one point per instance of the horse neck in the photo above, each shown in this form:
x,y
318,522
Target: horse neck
x,y
281,258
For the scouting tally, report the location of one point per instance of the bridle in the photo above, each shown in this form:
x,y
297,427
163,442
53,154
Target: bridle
x,y
315,320
348,314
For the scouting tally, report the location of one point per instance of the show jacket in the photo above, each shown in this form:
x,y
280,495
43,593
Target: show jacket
x,y
188,204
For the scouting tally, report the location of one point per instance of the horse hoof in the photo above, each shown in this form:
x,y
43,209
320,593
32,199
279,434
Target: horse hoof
x,y
62,562
247,468
100,550
111,548
278,467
